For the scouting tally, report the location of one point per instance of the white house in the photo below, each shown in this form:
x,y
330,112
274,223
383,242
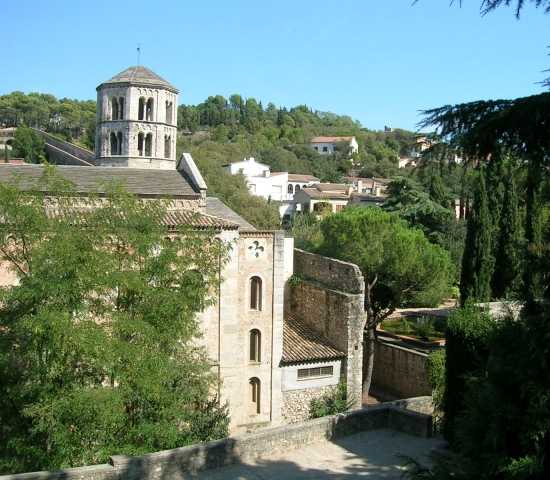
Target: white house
x,y
277,186
327,145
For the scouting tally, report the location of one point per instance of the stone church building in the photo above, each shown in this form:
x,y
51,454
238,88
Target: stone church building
x,y
272,356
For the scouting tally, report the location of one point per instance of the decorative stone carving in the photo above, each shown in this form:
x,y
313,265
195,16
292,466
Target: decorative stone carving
x,y
256,249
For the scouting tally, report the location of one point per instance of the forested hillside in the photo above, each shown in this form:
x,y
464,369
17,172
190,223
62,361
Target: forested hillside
x,y
219,131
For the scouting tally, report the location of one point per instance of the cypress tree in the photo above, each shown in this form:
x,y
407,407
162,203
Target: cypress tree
x,y
508,262
478,262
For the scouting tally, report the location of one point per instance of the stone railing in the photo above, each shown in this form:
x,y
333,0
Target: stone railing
x,y
174,463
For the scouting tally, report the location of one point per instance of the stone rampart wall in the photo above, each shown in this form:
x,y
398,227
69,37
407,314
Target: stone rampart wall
x,y
400,371
65,151
177,462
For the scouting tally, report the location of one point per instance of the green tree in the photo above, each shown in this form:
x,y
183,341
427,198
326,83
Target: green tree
x,y
98,352
478,261
28,145
400,266
509,244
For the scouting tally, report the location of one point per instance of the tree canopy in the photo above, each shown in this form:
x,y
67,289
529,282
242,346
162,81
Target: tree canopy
x,y
98,350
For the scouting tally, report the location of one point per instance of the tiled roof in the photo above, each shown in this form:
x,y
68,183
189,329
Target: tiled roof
x,y
140,75
141,182
297,177
331,187
331,139
302,344
216,208
172,220
327,193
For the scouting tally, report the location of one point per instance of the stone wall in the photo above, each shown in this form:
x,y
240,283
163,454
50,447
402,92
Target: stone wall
x,y
329,297
296,402
400,371
177,463
61,152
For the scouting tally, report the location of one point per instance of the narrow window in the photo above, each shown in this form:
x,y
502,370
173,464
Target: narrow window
x,y
114,109
119,143
167,146
297,188
121,108
114,144
255,346
325,149
148,144
149,111
290,189
255,293
168,112
255,394
141,109
140,144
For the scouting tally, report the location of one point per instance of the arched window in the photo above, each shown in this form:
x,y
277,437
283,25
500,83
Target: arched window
x,y
290,188
141,142
148,144
114,144
119,143
114,108
255,346
167,146
169,112
121,108
297,188
149,111
141,109
255,293
255,394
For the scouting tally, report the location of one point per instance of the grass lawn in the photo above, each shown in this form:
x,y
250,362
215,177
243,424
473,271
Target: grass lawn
x,y
425,328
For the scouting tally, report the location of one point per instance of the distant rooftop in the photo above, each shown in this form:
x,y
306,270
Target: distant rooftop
x,y
297,177
139,75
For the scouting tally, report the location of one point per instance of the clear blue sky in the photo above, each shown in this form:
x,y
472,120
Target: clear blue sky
x,y
377,61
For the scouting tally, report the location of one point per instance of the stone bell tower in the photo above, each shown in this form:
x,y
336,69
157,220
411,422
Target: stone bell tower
x,y
136,121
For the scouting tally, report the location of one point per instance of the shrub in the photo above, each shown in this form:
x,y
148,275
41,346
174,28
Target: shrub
x,y
467,345
436,377
331,403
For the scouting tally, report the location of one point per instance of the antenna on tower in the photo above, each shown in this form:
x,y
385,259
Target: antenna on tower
x,y
138,53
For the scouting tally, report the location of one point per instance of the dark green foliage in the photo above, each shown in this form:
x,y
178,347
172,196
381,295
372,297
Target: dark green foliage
x,y
509,244
98,351
467,349
29,145
331,403
306,231
436,376
478,261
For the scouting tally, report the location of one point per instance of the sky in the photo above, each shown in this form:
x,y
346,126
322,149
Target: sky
x,y
380,62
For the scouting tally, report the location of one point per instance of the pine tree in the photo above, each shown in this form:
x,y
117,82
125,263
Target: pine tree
x,y
478,262
508,252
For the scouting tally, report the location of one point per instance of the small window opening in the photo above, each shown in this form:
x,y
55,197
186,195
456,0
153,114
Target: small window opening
x,y
255,394
255,293
255,346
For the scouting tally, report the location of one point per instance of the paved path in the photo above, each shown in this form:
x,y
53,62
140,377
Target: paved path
x,y
373,455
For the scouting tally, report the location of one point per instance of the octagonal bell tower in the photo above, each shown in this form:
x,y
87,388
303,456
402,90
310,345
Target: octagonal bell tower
x,y
136,121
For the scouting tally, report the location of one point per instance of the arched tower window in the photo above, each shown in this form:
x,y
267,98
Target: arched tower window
x,y
149,110
167,146
141,109
148,144
255,346
114,108
255,394
119,143
114,143
290,188
169,112
255,293
121,108
297,188
141,142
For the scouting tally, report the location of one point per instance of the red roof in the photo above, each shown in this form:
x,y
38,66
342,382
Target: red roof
x,y
331,139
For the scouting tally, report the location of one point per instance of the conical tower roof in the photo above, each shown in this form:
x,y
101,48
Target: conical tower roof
x,y
140,76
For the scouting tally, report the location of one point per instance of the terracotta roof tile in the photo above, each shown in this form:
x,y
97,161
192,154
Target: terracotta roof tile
x,y
322,139
297,177
302,344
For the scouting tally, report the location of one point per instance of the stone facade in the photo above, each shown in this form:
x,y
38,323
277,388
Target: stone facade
x,y
136,125
399,371
329,296
296,402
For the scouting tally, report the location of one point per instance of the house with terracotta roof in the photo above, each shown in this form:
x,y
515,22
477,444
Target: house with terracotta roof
x,y
326,145
316,197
